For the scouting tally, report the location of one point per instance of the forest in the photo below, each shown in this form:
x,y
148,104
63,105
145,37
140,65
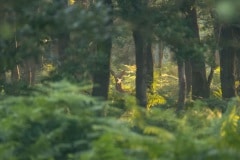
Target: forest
x,y
119,80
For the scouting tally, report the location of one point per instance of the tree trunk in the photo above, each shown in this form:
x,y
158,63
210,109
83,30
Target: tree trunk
x,y
2,80
141,86
188,73
15,74
182,85
102,74
161,48
237,71
210,77
237,66
158,56
227,77
150,72
227,62
29,66
2,77
63,41
199,79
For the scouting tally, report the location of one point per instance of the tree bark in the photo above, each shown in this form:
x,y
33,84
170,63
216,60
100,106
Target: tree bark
x,y
237,66
101,77
227,62
15,74
210,77
161,48
182,85
158,56
150,71
141,86
188,73
227,77
237,71
30,66
2,80
199,81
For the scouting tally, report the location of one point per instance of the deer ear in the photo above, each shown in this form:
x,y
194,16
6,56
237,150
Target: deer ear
x,y
122,73
112,72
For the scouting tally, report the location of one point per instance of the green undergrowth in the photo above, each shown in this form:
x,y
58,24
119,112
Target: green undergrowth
x,y
164,89
59,122
164,93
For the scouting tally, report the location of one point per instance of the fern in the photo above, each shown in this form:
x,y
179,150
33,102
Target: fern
x,y
62,123
230,129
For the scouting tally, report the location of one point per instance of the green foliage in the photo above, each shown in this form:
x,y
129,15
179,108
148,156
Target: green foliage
x,y
63,35
230,127
52,125
60,122
216,89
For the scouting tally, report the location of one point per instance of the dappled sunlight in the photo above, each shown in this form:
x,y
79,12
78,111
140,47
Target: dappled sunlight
x,y
231,124
71,2
164,84
155,100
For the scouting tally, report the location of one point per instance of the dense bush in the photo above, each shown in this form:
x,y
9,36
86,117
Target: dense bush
x,y
61,123
52,125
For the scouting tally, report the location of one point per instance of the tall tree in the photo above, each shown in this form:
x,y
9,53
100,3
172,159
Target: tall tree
x,y
137,12
143,52
102,74
228,27
181,83
141,72
200,87
227,62
8,41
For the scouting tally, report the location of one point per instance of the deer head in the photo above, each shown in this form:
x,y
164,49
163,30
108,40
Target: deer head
x,y
118,80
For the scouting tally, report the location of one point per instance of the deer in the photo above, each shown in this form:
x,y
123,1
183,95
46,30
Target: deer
x,y
118,80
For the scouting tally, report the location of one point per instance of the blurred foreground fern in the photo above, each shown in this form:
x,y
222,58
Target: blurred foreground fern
x,y
62,123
